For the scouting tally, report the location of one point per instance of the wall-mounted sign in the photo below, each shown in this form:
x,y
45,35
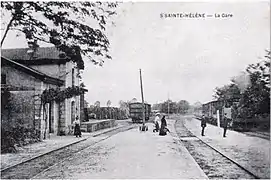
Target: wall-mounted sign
x,y
227,113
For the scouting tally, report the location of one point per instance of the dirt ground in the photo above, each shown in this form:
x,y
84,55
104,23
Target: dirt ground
x,y
130,154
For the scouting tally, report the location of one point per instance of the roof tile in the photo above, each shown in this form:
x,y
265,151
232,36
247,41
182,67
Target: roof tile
x,y
21,53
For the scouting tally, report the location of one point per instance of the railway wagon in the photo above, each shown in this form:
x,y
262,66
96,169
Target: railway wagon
x,y
135,110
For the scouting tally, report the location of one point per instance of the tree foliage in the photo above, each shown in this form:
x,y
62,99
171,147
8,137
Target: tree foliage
x,y
253,96
171,107
196,108
107,112
63,24
108,103
51,94
183,106
97,104
228,93
123,104
256,99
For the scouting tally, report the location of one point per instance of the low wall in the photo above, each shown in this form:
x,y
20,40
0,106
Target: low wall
x,y
96,125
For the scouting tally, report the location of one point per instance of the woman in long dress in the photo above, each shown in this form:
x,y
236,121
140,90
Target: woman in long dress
x,y
77,131
163,129
156,123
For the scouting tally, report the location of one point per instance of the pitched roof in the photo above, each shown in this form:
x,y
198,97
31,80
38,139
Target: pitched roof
x,y
22,54
42,55
31,71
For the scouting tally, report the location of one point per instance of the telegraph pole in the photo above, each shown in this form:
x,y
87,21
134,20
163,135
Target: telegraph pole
x,y
144,128
168,105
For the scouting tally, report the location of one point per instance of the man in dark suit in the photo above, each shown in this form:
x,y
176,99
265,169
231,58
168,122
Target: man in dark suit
x,y
227,119
226,122
203,124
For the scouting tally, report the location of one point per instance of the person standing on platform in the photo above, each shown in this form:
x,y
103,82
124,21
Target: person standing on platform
x,y
156,122
203,124
226,123
77,130
227,119
163,130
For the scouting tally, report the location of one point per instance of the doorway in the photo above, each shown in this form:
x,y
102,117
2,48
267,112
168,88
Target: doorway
x,y
51,118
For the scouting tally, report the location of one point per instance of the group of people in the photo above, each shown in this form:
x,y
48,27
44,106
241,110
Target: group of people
x,y
162,128
204,121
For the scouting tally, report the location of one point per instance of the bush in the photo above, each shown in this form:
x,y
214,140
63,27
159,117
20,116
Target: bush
x,y
15,136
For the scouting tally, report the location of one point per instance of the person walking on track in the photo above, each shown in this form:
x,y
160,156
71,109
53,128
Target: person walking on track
x,y
77,131
203,124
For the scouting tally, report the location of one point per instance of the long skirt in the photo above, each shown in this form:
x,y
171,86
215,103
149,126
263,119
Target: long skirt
x,y
77,131
157,126
163,132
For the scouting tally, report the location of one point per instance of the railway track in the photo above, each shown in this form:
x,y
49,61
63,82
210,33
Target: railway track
x,y
214,163
37,165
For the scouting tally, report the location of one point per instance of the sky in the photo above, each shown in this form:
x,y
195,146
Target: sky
x,y
180,58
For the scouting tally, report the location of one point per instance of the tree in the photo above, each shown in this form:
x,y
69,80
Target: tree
x,y
256,98
63,24
228,93
197,108
169,107
108,103
123,104
242,81
97,104
108,106
124,108
97,108
261,70
157,106
252,91
183,106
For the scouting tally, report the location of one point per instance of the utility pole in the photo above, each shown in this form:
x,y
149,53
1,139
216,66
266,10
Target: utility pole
x,y
143,128
168,105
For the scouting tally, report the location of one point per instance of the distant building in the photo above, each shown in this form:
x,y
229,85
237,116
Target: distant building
x,y
209,109
27,74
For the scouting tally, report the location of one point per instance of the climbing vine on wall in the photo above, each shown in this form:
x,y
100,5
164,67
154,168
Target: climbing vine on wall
x,y
58,95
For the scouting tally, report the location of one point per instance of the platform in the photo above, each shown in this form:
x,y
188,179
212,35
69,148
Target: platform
x,y
95,125
252,153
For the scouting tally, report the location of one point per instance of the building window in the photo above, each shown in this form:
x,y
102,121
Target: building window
x,y
72,77
3,79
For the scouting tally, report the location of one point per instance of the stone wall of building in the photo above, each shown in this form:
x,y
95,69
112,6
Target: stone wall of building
x,y
25,106
62,112
69,73
19,121
18,78
53,70
22,100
